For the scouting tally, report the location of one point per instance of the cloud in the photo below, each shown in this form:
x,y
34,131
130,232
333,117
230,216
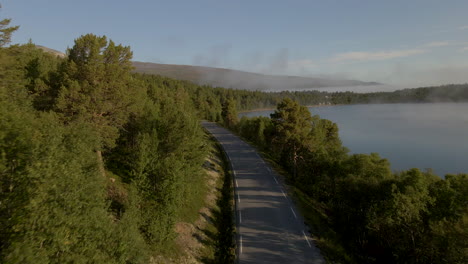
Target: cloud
x,y
437,44
464,49
373,56
463,27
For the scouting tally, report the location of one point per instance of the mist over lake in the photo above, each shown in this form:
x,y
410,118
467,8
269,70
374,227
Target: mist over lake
x,y
409,135
355,89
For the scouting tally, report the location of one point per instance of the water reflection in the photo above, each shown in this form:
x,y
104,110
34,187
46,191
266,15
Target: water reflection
x,y
408,135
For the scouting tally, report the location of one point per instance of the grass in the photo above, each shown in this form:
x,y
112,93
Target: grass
x,y
212,218
211,231
194,199
320,227
220,233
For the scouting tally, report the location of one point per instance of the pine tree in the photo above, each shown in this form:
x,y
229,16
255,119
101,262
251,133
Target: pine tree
x,y
97,88
5,31
229,113
293,125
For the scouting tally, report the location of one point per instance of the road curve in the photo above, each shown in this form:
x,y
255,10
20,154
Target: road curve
x,y
269,227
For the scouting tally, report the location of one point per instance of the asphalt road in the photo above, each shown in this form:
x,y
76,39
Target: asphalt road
x,y
269,227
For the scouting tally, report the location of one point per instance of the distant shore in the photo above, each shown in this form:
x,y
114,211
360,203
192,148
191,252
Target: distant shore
x,y
271,108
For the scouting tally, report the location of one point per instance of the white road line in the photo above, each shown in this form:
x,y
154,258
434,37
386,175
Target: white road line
x,y
283,194
238,198
293,212
240,216
241,244
268,168
275,180
305,236
236,184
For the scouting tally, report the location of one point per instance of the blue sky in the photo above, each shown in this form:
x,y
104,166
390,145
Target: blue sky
x,y
406,43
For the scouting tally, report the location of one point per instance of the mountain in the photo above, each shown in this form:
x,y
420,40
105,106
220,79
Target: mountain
x,y
240,79
52,51
234,79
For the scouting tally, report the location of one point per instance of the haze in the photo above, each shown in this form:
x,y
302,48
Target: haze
x,y
399,43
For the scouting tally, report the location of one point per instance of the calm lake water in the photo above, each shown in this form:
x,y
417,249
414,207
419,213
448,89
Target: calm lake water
x,y
408,135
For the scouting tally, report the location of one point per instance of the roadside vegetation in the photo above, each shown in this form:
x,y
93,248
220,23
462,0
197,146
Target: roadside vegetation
x,y
225,245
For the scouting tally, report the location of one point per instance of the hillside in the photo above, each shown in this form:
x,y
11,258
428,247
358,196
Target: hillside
x,y
240,79
52,51
232,78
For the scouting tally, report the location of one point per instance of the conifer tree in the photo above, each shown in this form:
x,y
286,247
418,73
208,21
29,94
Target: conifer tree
x,y
293,124
229,113
97,88
5,31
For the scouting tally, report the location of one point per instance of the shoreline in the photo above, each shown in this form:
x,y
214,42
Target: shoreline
x,y
271,108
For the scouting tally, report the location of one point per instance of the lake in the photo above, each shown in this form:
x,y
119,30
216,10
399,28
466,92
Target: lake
x,y
408,135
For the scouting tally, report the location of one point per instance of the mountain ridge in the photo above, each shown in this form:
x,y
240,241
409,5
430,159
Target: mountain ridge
x,y
237,79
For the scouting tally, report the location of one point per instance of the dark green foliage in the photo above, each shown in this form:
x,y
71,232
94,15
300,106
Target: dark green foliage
x,y
444,93
256,129
208,99
292,126
207,103
448,220
229,113
161,154
97,87
55,207
12,70
42,76
52,199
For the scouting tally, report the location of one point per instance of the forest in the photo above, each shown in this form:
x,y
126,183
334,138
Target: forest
x,y
205,97
377,216
97,163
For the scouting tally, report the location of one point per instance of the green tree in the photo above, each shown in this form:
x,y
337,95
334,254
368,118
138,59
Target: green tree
x,y
398,221
229,113
6,31
448,219
160,153
256,129
98,88
52,198
41,76
292,127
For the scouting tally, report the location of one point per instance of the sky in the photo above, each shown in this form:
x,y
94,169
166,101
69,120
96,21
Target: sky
x,y
408,43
